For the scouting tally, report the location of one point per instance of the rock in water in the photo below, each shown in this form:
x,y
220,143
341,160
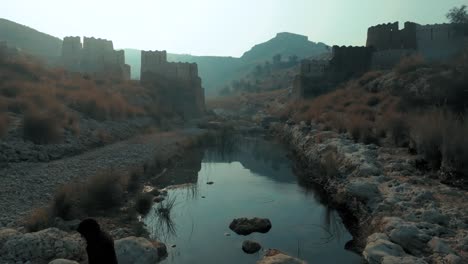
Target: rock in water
x,y
138,250
250,246
274,256
245,226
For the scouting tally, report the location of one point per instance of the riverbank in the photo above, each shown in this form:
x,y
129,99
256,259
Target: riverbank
x,y
27,186
400,213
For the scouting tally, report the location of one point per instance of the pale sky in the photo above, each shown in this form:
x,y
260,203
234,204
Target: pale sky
x,y
218,27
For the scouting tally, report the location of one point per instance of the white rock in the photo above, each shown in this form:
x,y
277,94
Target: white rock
x,y
138,250
276,257
42,246
378,246
63,261
402,260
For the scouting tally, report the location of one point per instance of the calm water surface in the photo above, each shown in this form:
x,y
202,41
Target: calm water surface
x,y
254,179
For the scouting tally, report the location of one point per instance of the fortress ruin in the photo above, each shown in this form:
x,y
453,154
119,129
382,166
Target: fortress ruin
x,y
177,83
94,56
386,45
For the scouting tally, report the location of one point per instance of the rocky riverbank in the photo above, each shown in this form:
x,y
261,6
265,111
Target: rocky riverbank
x,y
400,213
30,185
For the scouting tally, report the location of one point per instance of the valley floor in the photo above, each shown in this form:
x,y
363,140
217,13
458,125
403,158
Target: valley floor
x,y
26,185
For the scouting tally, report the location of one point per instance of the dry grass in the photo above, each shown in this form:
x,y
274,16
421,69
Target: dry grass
x,y
440,136
27,87
409,64
42,128
39,219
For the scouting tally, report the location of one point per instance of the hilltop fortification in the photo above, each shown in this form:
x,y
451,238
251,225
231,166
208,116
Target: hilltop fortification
x,y
94,56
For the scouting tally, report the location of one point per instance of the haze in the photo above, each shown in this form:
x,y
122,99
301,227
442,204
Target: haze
x,y
213,27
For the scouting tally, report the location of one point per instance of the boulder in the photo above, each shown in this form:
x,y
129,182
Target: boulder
x,y
245,226
363,189
6,234
138,250
378,247
402,260
43,246
274,256
251,247
63,261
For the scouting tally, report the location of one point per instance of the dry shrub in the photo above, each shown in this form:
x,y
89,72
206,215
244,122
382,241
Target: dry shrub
x,y
143,203
395,125
103,136
42,128
39,219
329,164
361,129
409,64
4,121
102,192
455,147
369,76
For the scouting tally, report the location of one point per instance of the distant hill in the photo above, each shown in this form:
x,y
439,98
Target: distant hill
x,y
217,72
30,40
286,44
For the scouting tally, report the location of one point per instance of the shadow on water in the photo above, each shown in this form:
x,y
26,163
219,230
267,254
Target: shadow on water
x,y
251,178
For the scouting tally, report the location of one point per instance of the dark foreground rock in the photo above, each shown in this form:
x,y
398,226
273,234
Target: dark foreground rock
x,y
251,247
245,226
274,256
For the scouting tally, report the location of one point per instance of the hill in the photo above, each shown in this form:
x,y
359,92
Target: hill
x,y
286,44
29,40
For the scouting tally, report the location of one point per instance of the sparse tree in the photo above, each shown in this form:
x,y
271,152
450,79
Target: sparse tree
x,y
458,15
293,59
277,59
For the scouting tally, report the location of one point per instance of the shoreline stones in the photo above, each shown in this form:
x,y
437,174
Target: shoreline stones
x,y
274,256
245,226
251,247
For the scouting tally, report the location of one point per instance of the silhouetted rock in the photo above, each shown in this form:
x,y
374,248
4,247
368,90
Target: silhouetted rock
x,y
245,226
250,246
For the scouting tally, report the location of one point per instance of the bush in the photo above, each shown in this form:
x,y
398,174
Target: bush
x,y
42,128
143,203
361,129
39,219
101,192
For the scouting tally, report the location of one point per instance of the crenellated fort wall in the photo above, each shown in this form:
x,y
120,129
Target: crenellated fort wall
x,y
94,56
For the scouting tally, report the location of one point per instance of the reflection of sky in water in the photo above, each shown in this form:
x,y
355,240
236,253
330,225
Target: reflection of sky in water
x,y
197,226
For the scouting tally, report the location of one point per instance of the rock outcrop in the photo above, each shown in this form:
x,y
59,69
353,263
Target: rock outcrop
x,y
42,246
413,218
250,246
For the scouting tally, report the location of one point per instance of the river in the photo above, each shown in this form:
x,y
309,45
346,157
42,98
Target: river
x,y
253,178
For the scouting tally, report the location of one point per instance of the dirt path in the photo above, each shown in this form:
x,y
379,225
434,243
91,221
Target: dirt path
x,y
25,186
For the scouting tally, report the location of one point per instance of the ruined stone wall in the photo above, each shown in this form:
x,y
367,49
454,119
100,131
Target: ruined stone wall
x,y
177,83
387,59
389,36
314,67
72,53
95,56
156,62
440,41
348,62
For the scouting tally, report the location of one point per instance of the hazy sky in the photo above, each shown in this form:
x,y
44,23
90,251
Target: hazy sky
x,y
218,27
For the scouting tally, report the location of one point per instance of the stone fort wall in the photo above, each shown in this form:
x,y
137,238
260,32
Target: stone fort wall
x,y
156,62
94,56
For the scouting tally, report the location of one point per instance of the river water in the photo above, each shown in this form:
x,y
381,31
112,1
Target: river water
x,y
253,179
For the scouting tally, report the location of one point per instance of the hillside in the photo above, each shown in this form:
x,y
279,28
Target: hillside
x,y
286,44
217,72
30,40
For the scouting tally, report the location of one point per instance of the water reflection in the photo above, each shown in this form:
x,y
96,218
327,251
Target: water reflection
x,y
253,178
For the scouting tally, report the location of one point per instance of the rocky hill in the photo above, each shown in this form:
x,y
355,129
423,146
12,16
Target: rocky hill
x,y
29,40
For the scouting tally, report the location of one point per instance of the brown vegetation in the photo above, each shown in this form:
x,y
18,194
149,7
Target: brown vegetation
x,y
49,99
3,125
430,121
